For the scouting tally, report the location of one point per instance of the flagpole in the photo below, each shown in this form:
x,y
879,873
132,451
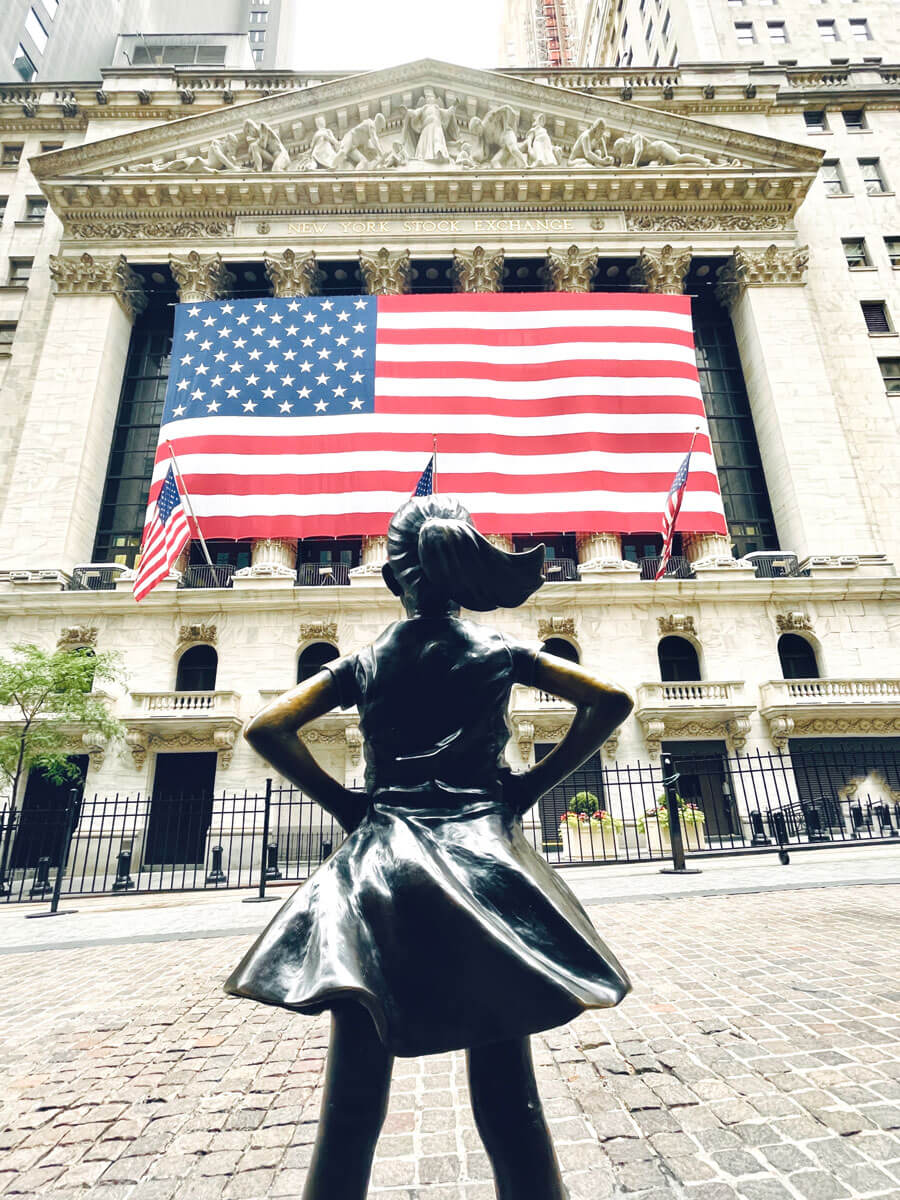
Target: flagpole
x,y
187,504
434,473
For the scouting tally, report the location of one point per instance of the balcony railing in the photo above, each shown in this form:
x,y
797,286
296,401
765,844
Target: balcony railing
x,y
831,691
559,570
95,577
333,574
178,704
702,693
771,565
676,568
202,575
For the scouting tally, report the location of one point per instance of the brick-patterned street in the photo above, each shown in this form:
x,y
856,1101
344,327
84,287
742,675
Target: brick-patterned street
x,y
757,1056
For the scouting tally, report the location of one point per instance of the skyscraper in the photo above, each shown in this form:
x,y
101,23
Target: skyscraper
x,y
540,33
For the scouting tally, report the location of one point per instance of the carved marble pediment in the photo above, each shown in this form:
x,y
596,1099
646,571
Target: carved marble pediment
x,y
369,137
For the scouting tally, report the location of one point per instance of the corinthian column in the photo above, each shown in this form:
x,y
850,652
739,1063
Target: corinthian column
x,y
294,274
662,270
815,493
477,270
386,272
71,414
201,277
571,271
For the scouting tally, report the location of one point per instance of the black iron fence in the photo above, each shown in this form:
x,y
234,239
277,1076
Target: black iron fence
x,y
603,813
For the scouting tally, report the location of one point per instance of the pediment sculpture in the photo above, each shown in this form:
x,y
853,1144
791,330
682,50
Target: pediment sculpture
x,y
431,135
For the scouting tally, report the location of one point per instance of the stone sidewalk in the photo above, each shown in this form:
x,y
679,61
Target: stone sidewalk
x,y
758,1055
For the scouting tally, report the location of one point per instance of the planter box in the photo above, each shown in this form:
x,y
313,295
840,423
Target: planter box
x,y
582,843
691,835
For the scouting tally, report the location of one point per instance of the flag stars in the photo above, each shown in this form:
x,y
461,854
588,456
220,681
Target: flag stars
x,y
339,391
271,368
268,393
201,369
209,321
250,406
252,380
194,311
207,345
358,352
309,317
356,377
307,341
254,355
196,394
228,308
343,315
286,406
236,367
323,379
324,352
304,393
221,355
179,411
257,331
342,340
290,355
191,335
275,318
240,343
356,403
293,306
243,319
321,406
216,381
274,343
260,307
232,393
225,331
292,330
327,305
340,365
359,327
360,303
183,385
287,380
325,330
213,406
306,367
187,359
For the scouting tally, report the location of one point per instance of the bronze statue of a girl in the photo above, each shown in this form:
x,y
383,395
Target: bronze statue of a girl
x,y
435,926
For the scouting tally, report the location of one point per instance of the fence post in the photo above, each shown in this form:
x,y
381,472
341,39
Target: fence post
x,y
65,843
7,822
670,779
262,898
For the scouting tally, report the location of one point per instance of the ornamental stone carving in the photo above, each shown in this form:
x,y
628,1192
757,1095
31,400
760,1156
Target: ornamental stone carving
x,y
198,633
271,558
264,148
201,276
72,637
538,145
386,272
678,623
556,627
703,222
571,271
353,738
90,276
793,622
148,230
294,274
318,631
773,267
426,129
361,145
590,148
94,744
138,742
478,270
636,150
496,141
662,271
525,739
223,740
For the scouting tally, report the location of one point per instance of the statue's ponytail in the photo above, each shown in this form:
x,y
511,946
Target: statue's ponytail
x,y
462,565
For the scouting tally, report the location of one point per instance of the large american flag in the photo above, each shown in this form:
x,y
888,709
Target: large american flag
x,y
550,412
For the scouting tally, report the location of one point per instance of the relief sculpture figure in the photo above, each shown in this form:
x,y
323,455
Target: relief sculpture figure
x,y
323,148
265,147
434,926
634,150
360,146
497,138
539,145
426,128
590,149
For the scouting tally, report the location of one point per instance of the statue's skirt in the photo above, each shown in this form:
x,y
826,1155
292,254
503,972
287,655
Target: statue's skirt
x,y
444,924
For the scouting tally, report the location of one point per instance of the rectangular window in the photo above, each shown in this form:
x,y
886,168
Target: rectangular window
x,y
828,31
892,245
4,200
259,55
36,31
854,119
211,56
258,17
873,176
11,154
667,21
875,315
833,178
7,337
815,121
35,208
257,36
649,31
856,253
20,271
890,373
48,147
743,31
777,32
23,65
859,29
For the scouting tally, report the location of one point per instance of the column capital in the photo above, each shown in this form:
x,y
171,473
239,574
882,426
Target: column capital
x,y
294,274
100,276
773,267
571,271
386,272
663,270
478,270
201,276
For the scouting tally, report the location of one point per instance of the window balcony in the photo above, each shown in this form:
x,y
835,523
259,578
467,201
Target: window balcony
x,y
323,574
693,709
829,707
183,720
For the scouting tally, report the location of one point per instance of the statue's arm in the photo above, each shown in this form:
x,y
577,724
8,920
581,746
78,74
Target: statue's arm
x,y
273,734
599,709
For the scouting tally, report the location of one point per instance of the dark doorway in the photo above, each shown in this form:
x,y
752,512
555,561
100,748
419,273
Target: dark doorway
x,y
552,805
798,658
678,661
561,648
313,658
704,780
180,808
43,815
197,670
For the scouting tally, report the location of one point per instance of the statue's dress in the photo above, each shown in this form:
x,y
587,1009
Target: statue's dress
x,y
435,913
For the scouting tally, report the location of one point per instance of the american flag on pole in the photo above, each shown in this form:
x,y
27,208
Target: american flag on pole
x,y
164,537
425,486
554,411
670,512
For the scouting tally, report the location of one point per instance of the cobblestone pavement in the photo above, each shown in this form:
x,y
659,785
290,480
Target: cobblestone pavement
x,y
758,1057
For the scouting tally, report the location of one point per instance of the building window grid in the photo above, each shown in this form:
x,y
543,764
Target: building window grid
x,y
23,64
854,119
828,31
35,209
7,337
777,32
20,271
876,316
873,177
890,373
744,32
859,29
833,178
4,200
892,246
11,154
36,31
815,121
856,253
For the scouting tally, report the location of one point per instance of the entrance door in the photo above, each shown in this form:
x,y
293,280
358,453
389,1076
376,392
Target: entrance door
x,y
704,780
180,808
43,815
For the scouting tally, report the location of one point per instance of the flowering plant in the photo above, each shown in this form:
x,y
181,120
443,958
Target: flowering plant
x,y
583,812
690,814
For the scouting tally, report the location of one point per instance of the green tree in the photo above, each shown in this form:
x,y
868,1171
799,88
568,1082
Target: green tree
x,y
45,698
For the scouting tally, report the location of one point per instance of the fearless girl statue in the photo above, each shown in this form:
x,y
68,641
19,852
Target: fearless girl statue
x,y
435,926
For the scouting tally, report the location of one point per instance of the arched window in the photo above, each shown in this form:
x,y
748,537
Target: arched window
x,y
197,670
561,648
798,658
678,661
313,659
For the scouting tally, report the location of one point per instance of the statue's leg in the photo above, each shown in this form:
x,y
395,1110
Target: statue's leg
x,y
511,1123
357,1084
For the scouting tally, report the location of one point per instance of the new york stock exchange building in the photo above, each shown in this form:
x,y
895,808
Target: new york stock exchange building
x,y
767,661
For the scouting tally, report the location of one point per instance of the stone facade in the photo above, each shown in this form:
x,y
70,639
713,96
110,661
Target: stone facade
x,y
755,213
